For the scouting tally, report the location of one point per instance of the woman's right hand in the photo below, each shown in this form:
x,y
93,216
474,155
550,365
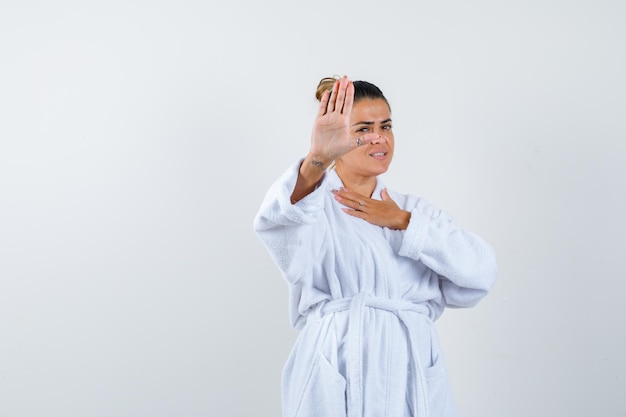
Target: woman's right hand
x,y
331,137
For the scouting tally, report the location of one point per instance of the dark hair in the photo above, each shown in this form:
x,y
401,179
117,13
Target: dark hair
x,y
362,90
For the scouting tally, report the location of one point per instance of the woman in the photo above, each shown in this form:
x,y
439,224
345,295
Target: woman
x,y
368,270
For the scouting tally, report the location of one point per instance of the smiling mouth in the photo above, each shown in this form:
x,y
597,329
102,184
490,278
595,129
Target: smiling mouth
x,y
378,154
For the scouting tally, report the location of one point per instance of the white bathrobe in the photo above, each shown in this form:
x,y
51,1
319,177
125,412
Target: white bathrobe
x,y
365,298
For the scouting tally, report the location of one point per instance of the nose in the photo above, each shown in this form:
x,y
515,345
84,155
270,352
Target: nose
x,y
375,138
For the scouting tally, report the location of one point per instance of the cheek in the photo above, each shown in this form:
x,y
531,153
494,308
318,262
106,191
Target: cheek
x,y
352,156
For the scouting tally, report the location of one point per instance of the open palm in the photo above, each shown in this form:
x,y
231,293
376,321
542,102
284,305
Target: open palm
x,y
331,137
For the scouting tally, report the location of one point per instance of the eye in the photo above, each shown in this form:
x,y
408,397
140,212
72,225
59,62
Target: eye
x,y
363,129
387,127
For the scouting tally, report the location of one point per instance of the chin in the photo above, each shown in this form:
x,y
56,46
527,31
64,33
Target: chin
x,y
384,168
380,170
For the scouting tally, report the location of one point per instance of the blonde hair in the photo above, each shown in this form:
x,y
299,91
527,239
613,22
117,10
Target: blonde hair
x,y
325,84
362,89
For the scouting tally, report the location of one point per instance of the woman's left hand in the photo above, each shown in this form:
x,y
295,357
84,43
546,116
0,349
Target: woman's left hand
x,y
385,213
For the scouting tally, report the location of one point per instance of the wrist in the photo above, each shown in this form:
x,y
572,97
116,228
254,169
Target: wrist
x,y
317,161
309,176
403,220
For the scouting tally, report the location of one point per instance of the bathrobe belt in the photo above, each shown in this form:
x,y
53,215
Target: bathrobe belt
x,y
354,345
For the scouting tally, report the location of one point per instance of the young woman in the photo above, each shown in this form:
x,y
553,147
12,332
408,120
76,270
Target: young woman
x,y
368,270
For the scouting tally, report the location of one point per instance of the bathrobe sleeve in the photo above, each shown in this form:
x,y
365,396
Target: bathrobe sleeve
x,y
292,233
464,262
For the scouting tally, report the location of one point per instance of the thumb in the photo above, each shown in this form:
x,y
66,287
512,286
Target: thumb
x,y
384,195
368,138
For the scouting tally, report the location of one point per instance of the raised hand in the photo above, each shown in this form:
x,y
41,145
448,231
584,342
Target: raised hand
x,y
331,136
385,213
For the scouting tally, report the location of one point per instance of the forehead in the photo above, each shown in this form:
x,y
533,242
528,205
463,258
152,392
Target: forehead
x,y
370,110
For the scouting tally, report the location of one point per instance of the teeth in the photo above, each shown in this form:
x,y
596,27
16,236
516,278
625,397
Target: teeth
x,y
378,154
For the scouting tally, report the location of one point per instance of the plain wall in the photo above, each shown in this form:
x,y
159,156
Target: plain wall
x,y
137,140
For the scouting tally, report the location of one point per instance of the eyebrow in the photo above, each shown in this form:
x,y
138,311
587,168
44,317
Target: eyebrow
x,y
371,123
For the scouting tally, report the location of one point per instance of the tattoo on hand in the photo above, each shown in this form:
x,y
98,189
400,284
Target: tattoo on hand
x,y
318,164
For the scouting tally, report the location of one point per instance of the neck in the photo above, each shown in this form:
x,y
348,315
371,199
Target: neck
x,y
363,185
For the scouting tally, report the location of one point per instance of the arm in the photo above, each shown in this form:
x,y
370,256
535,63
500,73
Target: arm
x,y
291,232
310,174
464,262
289,221
330,139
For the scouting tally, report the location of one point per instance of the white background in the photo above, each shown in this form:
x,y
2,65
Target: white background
x,y
137,139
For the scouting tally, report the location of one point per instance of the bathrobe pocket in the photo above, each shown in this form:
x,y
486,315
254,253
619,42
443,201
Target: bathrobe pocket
x,y
324,393
439,396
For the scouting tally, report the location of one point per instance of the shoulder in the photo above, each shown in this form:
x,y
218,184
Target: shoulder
x,y
406,201
410,202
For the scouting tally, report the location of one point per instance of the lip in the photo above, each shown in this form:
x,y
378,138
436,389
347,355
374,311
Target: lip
x,y
380,155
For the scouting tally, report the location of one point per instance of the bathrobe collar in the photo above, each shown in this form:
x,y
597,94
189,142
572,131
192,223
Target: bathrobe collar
x,y
334,182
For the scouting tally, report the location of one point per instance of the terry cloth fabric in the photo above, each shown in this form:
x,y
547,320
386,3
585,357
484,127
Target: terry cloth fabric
x,y
365,298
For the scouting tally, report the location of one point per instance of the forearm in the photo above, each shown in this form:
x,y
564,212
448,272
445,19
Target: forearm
x,y
290,232
310,174
459,255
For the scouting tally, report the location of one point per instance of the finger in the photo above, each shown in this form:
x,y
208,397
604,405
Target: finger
x,y
365,139
323,104
354,213
351,195
353,204
349,100
348,199
333,98
341,94
384,195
